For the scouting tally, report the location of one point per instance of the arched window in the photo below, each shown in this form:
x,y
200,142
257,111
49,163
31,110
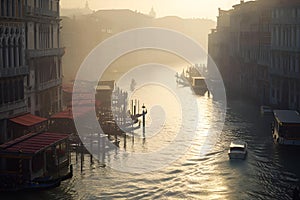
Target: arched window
x,y
16,91
5,92
19,8
16,52
7,8
4,52
2,8
20,53
21,87
1,53
1,93
11,91
13,8
9,42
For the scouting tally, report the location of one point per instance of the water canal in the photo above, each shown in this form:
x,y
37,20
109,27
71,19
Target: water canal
x,y
269,172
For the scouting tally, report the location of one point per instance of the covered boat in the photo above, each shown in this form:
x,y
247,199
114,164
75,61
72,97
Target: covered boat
x,y
35,161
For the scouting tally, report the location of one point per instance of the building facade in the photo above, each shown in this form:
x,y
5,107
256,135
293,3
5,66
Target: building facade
x,y
43,57
30,60
285,55
13,68
256,49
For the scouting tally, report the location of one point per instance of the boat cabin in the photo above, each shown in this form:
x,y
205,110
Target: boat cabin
x,y
237,150
199,85
199,82
24,124
286,127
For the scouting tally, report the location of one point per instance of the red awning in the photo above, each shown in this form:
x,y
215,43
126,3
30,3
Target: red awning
x,y
28,120
32,143
68,113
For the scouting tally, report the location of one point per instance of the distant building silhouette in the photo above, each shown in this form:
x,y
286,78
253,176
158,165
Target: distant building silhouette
x,y
103,24
73,12
152,13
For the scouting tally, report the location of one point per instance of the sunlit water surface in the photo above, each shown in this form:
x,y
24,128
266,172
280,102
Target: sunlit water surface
x,y
269,172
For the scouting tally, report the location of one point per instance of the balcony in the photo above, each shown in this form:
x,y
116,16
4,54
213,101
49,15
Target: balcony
x,y
285,20
13,108
284,74
285,48
36,53
13,71
31,11
49,84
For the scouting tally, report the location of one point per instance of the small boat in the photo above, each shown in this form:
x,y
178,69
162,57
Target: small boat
x,y
199,85
266,110
237,150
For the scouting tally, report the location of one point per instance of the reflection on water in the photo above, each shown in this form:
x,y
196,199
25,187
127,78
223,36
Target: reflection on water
x,y
269,172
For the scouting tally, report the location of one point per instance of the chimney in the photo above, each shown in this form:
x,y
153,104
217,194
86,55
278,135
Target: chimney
x,y
242,1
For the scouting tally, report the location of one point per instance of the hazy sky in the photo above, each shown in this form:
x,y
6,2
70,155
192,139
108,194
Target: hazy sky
x,y
182,8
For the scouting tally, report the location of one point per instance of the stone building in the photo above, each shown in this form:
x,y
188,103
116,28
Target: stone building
x,y
13,68
43,57
30,60
285,55
256,49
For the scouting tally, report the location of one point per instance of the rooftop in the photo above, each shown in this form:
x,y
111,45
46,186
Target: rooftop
x,y
287,116
28,120
32,143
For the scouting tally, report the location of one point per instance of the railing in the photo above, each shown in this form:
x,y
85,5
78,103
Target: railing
x,y
40,11
285,74
49,84
13,71
285,20
12,106
45,52
285,48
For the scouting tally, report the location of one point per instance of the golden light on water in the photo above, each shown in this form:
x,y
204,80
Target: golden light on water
x,y
164,117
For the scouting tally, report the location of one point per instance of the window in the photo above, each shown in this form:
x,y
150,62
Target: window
x,y
7,8
20,52
1,93
13,13
2,8
10,91
36,100
21,86
29,102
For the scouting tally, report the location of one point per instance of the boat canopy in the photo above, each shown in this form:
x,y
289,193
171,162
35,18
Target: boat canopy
x,y
32,143
69,114
287,116
237,143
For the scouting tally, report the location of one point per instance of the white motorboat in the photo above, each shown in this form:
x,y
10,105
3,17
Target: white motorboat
x,y
237,150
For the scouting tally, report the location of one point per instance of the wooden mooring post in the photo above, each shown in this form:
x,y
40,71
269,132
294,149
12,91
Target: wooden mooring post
x,y
81,157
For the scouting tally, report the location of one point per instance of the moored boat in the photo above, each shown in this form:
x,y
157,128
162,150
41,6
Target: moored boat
x,y
36,161
266,110
286,127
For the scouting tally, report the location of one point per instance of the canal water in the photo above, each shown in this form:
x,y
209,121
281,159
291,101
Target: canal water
x,y
269,171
